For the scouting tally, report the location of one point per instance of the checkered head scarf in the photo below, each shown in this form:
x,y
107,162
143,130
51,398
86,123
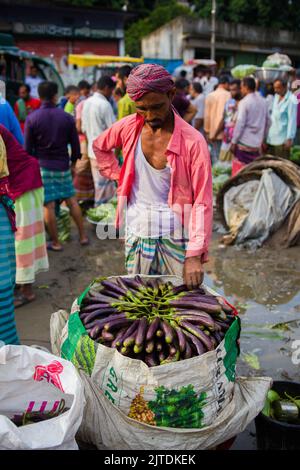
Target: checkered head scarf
x,y
148,78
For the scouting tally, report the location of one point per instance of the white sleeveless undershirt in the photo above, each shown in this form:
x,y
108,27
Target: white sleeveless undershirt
x,y
148,214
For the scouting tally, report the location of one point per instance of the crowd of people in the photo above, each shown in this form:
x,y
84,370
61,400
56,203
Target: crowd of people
x,y
240,119
71,151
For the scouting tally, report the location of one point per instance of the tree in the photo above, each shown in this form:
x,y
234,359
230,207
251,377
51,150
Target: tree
x,y
164,11
277,14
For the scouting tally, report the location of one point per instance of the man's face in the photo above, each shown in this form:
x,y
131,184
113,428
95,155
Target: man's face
x,y
279,88
244,90
84,92
107,92
192,92
23,93
121,82
34,72
235,91
73,97
155,108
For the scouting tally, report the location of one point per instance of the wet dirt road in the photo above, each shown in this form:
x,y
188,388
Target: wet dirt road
x,y
264,286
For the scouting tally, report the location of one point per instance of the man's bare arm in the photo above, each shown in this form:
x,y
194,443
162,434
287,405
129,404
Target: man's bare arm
x,y
190,113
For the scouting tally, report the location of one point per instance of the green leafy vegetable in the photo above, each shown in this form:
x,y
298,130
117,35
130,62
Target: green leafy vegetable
x,y
242,71
264,334
273,396
178,408
252,360
105,213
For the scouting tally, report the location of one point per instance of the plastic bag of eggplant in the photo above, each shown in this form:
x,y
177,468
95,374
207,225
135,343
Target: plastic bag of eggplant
x,y
163,354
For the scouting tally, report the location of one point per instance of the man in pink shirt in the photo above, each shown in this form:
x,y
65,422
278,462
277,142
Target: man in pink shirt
x,y
165,181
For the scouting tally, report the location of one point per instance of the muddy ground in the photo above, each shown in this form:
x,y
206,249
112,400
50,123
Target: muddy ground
x,y
265,286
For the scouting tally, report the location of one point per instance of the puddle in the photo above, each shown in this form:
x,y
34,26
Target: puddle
x,y
265,288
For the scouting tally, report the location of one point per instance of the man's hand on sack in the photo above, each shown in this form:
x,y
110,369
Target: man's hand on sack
x,y
193,272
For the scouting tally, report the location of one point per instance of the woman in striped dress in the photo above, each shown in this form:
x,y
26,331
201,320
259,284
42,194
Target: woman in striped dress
x,y
27,190
8,332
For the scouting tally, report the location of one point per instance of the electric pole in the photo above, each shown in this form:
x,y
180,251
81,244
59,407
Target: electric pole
x,y
213,31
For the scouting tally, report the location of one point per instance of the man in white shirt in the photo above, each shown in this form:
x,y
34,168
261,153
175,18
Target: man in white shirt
x,y
210,83
97,116
33,81
198,100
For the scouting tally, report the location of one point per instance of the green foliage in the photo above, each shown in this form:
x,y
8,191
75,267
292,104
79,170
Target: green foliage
x,y
277,14
164,12
178,408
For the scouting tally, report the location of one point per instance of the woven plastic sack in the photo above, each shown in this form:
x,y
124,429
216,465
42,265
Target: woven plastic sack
x,y
32,381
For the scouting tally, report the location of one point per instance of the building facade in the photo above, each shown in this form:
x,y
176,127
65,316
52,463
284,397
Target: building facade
x,y
189,38
56,31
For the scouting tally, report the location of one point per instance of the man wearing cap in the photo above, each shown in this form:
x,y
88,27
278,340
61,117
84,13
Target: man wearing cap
x,y
165,182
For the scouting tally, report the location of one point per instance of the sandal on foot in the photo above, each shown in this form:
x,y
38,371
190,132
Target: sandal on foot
x,y
84,242
50,247
21,300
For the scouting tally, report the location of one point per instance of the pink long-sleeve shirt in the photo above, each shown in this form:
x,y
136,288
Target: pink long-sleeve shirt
x,y
191,179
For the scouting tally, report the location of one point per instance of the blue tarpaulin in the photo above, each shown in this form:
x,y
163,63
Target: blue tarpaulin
x,y
169,64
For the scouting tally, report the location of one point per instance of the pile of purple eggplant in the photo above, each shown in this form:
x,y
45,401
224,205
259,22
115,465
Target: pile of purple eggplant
x,y
155,321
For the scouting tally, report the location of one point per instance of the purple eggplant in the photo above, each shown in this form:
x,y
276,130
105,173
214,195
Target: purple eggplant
x,y
119,322
181,337
91,307
152,328
130,340
223,325
199,346
131,283
185,304
150,360
172,358
103,321
168,331
113,287
150,346
107,336
203,320
117,341
112,294
179,289
218,337
101,298
172,350
99,313
151,283
198,333
200,298
162,355
140,281
131,329
95,331
124,351
188,351
137,349
141,332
